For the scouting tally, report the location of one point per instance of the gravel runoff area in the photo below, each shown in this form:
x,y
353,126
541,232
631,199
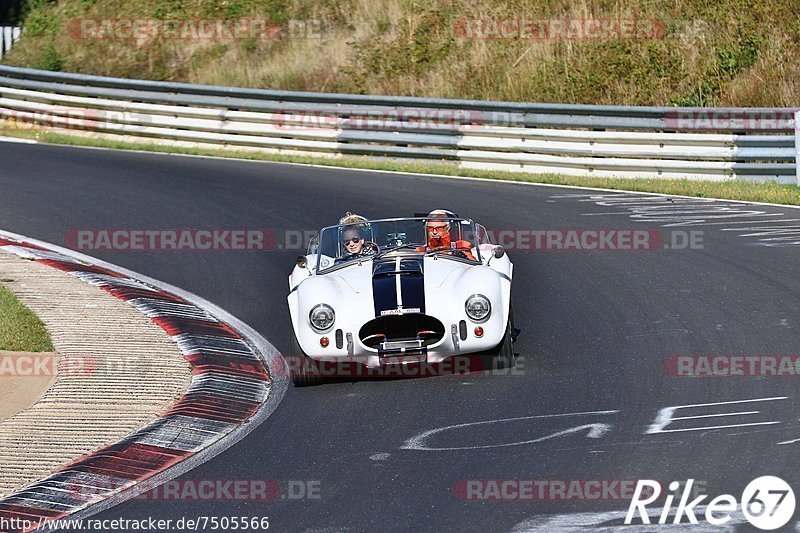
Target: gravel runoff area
x,y
117,371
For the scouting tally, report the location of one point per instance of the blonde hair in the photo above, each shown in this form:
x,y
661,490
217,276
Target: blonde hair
x,y
351,218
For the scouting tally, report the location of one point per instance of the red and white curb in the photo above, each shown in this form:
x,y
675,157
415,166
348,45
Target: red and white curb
x,y
238,380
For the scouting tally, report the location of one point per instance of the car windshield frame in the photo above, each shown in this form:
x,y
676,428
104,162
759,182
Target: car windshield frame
x,y
394,243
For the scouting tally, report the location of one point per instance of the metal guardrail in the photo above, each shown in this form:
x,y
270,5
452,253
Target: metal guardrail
x,y
616,141
8,36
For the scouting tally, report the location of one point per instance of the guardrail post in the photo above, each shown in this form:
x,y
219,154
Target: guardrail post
x,y
797,147
8,35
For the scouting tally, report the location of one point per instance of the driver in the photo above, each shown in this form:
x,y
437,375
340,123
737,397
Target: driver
x,y
437,233
352,238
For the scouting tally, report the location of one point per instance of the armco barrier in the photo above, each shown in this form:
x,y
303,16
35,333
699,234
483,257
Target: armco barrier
x,y
582,140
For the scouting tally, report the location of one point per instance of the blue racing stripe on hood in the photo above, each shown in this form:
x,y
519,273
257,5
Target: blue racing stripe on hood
x,y
385,275
384,291
413,285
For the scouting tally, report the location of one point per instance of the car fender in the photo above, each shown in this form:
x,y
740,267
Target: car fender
x,y
351,307
451,283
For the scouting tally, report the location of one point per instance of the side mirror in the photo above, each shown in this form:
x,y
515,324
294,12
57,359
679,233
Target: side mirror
x,y
302,262
499,252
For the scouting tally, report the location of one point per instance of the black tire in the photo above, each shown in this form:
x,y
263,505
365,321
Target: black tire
x,y
514,330
502,355
301,369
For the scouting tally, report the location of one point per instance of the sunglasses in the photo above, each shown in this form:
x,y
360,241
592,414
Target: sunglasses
x,y
437,228
351,240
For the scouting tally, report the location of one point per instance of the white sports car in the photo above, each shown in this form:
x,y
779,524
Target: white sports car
x,y
377,293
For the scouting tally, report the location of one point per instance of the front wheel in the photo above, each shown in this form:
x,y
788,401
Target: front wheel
x,y
502,355
301,367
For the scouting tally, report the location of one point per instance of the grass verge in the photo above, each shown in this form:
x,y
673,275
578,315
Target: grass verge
x,y
768,192
20,329
683,52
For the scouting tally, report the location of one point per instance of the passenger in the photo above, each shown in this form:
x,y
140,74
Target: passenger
x,y
354,245
437,232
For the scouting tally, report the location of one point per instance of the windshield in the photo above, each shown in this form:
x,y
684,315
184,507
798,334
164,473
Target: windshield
x,y
455,237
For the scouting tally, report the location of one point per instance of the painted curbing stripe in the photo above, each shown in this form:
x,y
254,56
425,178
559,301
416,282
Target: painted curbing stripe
x,y
46,500
242,396
154,308
230,362
255,390
212,408
133,293
214,413
179,440
27,252
79,479
175,326
208,364
201,365
236,363
76,268
106,280
13,242
215,407
11,512
205,344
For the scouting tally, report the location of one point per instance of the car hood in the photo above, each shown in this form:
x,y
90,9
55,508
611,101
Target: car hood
x,y
436,271
402,283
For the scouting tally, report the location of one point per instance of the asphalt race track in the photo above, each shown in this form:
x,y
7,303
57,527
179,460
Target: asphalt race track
x,y
597,329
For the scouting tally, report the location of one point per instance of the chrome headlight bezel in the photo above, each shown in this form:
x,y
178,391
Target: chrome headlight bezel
x,y
314,313
478,318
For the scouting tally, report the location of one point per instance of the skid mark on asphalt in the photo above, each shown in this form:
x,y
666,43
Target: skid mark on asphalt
x,y
765,228
592,431
379,456
701,419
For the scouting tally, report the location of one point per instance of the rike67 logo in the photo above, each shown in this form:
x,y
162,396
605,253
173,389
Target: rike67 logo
x,y
767,503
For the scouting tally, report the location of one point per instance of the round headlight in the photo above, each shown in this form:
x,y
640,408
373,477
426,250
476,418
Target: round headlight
x,y
321,317
478,307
